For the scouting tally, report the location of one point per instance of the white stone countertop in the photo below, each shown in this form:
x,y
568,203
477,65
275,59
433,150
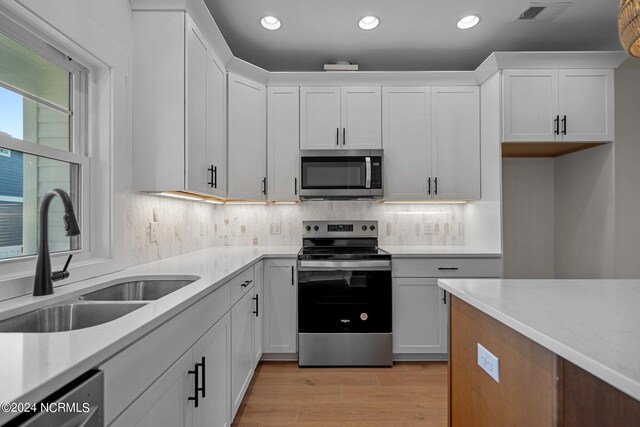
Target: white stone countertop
x,y
594,324
439,252
33,365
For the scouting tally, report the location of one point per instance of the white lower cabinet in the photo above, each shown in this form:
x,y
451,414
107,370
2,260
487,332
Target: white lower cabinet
x,y
258,313
242,357
420,316
280,330
170,400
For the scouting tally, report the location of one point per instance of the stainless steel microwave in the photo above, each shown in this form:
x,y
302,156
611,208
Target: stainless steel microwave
x,y
341,174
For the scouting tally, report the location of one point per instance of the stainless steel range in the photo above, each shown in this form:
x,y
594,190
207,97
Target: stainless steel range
x,y
344,295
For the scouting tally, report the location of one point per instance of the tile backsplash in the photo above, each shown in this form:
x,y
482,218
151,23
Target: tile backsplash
x,y
185,226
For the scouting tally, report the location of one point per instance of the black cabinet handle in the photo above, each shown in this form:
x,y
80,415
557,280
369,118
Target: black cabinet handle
x,y
264,185
344,136
448,268
256,299
444,297
202,364
196,388
292,278
247,283
564,125
557,123
210,170
295,186
215,177
435,183
337,136
429,186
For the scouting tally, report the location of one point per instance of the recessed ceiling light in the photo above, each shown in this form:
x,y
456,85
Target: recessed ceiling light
x,y
369,23
270,23
468,22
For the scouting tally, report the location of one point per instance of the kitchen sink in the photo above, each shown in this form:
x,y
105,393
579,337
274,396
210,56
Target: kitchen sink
x,y
143,290
68,316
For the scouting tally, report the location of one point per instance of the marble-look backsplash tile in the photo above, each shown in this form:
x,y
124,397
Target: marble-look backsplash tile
x,y
187,226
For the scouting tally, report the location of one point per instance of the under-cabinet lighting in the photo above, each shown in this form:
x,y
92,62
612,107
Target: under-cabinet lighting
x,y
423,202
285,203
241,202
181,196
214,202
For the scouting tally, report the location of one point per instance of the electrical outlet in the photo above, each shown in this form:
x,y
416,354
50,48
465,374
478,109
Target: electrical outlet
x,y
489,363
276,227
153,234
428,228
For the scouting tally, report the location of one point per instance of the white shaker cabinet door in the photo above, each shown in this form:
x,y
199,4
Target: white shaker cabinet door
x,y
165,402
197,164
247,139
281,317
241,349
258,311
320,118
456,143
213,352
530,105
587,105
217,127
406,125
419,316
361,118
283,143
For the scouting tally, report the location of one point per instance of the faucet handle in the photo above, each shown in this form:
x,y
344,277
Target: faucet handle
x,y
60,275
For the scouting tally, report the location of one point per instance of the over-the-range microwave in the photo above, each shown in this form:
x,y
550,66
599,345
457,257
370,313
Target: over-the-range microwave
x,y
341,174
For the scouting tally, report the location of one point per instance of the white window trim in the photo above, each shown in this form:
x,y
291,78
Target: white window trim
x,y
103,191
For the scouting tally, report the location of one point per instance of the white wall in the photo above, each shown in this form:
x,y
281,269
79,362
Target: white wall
x,y
585,195
528,191
627,173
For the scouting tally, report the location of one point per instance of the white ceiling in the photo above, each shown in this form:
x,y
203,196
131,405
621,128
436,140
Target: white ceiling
x,y
413,34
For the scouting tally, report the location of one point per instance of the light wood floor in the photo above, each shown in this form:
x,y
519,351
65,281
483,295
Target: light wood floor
x,y
411,394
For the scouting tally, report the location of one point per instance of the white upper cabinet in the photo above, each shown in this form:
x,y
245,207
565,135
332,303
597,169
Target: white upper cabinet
x,y
217,127
283,143
340,118
247,139
319,118
179,106
406,113
431,143
361,117
456,143
566,105
530,106
586,105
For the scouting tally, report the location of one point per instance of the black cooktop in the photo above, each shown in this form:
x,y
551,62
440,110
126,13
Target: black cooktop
x,y
342,253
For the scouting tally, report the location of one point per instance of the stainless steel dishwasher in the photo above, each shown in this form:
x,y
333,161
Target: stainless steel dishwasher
x,y
78,404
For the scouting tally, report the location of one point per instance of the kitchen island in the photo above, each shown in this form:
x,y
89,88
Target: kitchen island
x,y
568,352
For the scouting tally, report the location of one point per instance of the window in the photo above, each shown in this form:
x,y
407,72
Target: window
x,y
41,143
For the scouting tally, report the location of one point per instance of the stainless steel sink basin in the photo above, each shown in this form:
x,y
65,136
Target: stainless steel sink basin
x,y
144,290
68,316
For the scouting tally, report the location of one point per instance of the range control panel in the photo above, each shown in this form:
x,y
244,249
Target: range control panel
x,y
360,228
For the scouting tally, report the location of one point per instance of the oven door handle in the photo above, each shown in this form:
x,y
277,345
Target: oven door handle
x,y
344,265
367,162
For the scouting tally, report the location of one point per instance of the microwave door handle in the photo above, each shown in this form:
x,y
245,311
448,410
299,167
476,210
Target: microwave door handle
x,y
367,161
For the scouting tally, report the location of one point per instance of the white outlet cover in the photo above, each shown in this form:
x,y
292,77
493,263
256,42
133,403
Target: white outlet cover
x,y
276,227
428,228
489,363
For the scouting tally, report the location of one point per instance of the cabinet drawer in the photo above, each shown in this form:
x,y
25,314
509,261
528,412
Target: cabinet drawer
x,y
131,371
447,267
241,284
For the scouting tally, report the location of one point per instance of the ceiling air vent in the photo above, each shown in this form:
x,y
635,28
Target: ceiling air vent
x,y
541,12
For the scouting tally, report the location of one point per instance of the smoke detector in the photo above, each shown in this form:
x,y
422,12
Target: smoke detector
x,y
541,11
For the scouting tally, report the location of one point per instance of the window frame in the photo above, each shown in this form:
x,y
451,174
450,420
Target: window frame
x,y
97,88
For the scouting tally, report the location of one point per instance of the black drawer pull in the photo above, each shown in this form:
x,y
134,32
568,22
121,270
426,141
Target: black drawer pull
x,y
448,268
196,383
247,283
